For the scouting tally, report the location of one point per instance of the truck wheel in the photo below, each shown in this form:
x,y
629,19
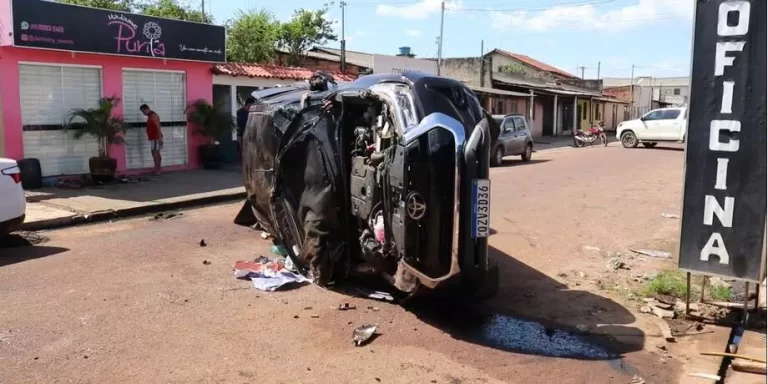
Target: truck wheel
x,y
650,145
498,157
629,140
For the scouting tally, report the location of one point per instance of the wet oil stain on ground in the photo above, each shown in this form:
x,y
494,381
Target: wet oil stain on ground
x,y
512,334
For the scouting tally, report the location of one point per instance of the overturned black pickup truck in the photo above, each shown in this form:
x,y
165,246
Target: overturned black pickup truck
x,y
386,176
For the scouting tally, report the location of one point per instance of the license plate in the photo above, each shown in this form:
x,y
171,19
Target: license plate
x,y
481,208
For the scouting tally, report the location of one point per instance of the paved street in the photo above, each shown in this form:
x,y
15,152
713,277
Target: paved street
x,y
133,300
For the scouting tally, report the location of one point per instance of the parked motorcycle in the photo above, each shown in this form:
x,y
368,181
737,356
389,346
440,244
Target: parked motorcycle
x,y
582,138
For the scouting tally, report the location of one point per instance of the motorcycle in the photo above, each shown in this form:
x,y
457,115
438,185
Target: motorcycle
x,y
582,138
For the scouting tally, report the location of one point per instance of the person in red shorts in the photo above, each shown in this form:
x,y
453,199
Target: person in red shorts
x,y
154,135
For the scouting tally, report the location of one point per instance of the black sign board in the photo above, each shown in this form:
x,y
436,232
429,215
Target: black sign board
x,y
52,25
724,207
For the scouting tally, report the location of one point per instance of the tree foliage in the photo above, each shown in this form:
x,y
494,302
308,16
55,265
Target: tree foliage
x,y
305,29
171,9
117,5
252,36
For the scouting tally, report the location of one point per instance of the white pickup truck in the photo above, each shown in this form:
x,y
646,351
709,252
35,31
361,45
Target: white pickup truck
x,y
665,124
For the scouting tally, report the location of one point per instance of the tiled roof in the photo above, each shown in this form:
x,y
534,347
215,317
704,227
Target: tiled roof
x,y
360,59
535,63
273,71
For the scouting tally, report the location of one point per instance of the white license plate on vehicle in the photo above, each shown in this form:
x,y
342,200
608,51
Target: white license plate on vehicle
x,y
481,208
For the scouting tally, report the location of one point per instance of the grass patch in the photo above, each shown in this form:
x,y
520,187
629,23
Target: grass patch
x,y
720,292
671,283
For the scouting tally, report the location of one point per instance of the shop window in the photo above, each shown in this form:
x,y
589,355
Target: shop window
x,y
47,94
677,92
166,94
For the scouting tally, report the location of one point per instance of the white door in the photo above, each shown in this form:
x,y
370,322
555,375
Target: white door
x,y
651,126
166,94
671,124
47,94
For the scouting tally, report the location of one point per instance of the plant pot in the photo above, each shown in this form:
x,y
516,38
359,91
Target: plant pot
x,y
210,156
102,169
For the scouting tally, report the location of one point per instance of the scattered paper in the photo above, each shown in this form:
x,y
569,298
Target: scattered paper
x,y
267,274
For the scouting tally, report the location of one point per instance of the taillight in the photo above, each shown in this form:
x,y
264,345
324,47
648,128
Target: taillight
x,y
14,173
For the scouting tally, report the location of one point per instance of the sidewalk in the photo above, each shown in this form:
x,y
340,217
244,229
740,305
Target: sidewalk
x,y
63,206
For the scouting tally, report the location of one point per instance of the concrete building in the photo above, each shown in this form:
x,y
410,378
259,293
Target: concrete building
x,y
649,92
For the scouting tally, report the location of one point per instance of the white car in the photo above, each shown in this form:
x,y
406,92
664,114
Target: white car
x,y
665,124
13,203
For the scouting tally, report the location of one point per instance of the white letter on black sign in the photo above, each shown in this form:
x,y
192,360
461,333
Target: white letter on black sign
x,y
726,106
740,29
721,60
719,250
712,208
714,135
722,174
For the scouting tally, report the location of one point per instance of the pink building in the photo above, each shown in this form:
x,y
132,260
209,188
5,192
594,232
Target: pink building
x,y
56,57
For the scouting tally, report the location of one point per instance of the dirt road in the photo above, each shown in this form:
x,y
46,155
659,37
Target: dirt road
x,y
133,301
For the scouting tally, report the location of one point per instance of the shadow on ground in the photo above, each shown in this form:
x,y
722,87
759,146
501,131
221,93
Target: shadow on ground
x,y
519,162
537,315
17,248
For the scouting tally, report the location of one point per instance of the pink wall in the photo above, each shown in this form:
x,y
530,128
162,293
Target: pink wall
x,y
6,26
538,122
198,75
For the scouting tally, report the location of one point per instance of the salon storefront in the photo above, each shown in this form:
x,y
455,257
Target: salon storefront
x,y
56,57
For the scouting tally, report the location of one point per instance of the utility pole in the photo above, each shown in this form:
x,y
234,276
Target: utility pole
x,y
343,61
203,8
582,71
440,42
632,92
482,63
598,70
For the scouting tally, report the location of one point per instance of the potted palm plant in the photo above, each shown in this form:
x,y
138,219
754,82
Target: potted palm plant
x,y
212,122
107,128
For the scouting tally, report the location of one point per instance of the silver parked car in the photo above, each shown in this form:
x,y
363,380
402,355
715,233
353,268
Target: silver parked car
x,y
514,139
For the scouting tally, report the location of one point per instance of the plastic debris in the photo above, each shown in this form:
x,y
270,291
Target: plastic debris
x,y
265,235
267,274
651,253
346,307
670,216
376,295
363,333
278,250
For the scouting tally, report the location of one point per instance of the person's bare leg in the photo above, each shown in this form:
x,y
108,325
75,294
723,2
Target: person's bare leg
x,y
157,159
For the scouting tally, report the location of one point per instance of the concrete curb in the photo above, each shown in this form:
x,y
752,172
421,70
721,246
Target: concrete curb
x,y
95,217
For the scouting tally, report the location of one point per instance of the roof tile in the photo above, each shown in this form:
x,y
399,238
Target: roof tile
x,y
273,71
535,63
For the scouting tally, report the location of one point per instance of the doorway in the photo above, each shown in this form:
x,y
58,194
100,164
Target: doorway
x,y
222,97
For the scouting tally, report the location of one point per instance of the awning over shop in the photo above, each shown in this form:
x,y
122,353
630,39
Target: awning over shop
x,y
499,92
609,100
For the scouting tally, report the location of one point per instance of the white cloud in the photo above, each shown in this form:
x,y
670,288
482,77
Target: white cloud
x,y
420,10
413,32
590,17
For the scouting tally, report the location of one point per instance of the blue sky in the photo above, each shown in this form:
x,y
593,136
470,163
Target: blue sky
x,y
655,35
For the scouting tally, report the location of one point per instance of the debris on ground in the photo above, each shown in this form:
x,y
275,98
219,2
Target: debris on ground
x,y
206,262
346,307
267,274
663,313
670,216
666,332
21,239
749,367
315,316
375,309
202,243
265,236
652,253
591,248
582,328
616,264
363,333
376,295
166,216
278,250
709,376
637,380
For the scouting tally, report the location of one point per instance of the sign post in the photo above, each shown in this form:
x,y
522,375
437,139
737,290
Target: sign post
x,y
724,204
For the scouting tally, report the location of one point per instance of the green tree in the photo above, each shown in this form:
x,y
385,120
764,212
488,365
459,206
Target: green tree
x,y
252,36
117,5
305,29
172,9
